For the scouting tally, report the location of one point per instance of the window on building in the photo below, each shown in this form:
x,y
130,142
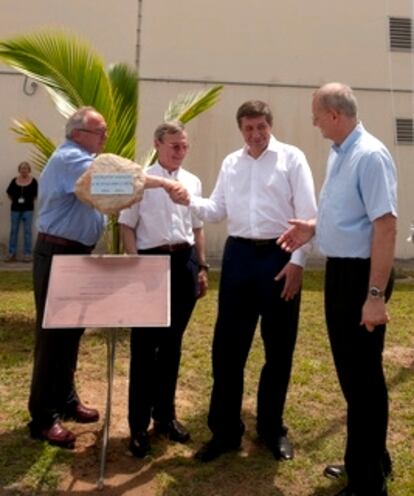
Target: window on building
x,y
401,34
405,131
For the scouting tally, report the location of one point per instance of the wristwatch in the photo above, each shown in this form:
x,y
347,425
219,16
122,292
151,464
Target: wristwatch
x,y
375,292
203,266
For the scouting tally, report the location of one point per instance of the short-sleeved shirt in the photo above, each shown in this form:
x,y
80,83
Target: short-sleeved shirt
x,y
360,186
22,197
60,211
157,220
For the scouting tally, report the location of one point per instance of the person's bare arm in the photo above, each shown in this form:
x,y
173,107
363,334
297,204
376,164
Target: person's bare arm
x,y
175,189
374,311
201,257
128,239
300,233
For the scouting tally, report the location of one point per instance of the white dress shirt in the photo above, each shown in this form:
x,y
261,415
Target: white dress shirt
x,y
259,196
157,220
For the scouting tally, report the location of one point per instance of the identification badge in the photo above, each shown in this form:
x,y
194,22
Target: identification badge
x,y
20,200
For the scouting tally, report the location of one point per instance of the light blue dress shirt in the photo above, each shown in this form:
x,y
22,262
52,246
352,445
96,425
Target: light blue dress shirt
x,y
360,186
60,212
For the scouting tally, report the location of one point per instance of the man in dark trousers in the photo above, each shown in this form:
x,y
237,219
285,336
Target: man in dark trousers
x,y
157,226
258,189
356,230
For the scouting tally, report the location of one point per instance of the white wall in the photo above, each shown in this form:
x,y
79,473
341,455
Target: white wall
x,y
272,50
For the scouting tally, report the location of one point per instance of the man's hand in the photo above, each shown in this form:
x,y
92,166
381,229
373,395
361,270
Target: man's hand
x,y
202,283
374,313
293,280
177,192
300,233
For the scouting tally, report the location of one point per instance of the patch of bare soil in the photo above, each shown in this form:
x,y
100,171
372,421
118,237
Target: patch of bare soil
x,y
402,355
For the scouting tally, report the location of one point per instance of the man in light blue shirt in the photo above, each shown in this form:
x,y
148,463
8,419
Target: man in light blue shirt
x,y
356,230
66,226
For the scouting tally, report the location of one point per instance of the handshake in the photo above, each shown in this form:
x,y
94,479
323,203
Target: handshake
x,y
178,193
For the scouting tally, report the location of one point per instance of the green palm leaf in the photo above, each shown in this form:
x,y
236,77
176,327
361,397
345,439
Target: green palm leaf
x,y
184,108
64,63
28,132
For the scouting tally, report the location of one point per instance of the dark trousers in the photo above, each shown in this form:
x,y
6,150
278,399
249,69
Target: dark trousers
x,y
156,352
248,291
53,390
357,355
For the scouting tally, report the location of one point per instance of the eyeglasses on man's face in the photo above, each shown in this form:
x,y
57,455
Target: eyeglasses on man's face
x,y
98,132
178,147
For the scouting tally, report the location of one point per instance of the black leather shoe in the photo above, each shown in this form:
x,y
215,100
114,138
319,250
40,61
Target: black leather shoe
x,y
338,471
334,471
56,434
173,429
139,445
82,414
282,448
214,448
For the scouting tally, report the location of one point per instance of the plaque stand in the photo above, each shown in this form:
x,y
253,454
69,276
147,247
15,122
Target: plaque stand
x,y
108,291
110,349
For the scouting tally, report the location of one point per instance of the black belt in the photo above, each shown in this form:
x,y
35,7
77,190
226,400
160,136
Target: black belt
x,y
255,242
57,240
168,248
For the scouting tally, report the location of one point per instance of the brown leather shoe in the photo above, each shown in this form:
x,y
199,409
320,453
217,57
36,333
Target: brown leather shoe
x,y
82,414
56,435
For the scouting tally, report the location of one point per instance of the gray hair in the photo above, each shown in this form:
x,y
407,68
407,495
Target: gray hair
x,y
169,127
78,120
339,97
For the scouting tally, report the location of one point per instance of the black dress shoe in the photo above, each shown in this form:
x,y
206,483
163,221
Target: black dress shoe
x,y
338,471
282,448
139,445
173,429
56,434
334,471
214,448
82,414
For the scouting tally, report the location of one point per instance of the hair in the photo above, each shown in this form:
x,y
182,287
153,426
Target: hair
x,y
24,164
78,120
339,97
254,108
168,127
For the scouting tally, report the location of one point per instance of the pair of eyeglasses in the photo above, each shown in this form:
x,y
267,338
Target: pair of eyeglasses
x,y
99,132
177,147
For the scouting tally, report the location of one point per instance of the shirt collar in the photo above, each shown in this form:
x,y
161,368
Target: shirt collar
x,y
349,141
165,173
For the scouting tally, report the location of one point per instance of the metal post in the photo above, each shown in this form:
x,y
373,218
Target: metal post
x,y
110,348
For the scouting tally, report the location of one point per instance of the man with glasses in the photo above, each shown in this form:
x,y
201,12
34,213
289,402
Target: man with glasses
x,y
156,225
65,226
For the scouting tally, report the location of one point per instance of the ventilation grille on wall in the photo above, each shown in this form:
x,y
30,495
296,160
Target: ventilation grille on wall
x,y
401,33
405,131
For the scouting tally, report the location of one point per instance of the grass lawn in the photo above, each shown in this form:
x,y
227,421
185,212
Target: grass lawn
x,y
314,412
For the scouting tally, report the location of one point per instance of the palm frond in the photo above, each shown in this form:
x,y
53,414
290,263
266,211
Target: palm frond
x,y
62,62
187,106
28,132
184,108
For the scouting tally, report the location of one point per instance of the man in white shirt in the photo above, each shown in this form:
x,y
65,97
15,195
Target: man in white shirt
x,y
156,225
258,189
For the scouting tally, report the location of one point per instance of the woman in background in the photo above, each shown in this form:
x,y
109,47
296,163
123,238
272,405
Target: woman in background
x,y
22,192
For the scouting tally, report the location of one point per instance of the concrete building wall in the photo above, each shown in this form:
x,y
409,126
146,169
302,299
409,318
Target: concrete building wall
x,y
272,50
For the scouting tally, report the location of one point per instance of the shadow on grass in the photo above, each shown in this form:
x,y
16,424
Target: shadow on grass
x,y
170,472
27,466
